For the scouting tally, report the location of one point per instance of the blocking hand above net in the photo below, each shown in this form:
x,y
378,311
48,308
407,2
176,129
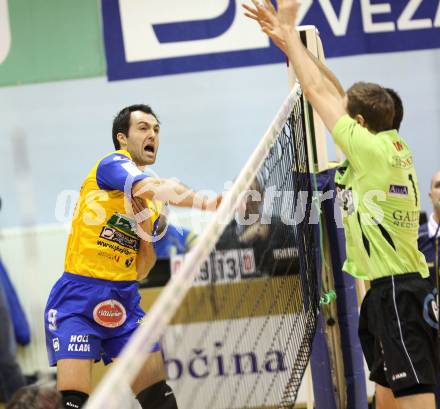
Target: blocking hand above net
x,y
324,91
279,25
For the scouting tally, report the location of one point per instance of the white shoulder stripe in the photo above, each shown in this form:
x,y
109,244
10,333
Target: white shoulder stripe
x,y
131,168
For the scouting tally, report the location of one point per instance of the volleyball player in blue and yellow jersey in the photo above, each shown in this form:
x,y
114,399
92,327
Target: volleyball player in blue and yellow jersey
x,y
94,307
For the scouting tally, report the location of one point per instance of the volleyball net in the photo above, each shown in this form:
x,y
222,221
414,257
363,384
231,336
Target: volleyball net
x,y
238,316
242,336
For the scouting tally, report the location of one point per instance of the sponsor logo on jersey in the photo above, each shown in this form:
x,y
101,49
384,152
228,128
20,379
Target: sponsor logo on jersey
x,y
52,319
113,247
107,233
400,375
398,146
56,344
122,223
398,190
110,314
116,236
129,262
406,219
402,163
79,343
110,256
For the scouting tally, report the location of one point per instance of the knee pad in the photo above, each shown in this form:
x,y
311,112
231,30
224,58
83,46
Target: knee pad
x,y
74,399
157,396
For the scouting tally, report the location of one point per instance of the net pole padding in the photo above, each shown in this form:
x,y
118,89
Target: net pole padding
x,y
347,306
135,353
316,138
332,329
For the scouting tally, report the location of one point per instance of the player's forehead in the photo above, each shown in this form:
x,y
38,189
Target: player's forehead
x,y
139,117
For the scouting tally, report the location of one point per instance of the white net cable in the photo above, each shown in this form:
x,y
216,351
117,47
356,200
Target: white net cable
x,y
112,390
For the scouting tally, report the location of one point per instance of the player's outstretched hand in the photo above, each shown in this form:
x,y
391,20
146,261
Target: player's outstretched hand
x,y
277,24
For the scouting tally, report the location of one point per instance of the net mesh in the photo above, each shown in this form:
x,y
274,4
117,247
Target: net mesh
x,y
242,336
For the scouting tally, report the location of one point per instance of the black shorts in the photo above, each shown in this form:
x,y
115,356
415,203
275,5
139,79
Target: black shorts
x,y
398,331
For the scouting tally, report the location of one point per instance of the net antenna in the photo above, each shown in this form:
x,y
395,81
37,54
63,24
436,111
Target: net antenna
x,y
318,155
255,302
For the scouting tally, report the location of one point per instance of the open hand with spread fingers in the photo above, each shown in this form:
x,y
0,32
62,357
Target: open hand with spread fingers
x,y
276,23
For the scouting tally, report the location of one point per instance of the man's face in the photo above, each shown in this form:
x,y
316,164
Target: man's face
x,y
143,138
434,194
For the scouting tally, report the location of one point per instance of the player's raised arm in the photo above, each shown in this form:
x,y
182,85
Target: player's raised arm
x,y
279,25
173,192
328,74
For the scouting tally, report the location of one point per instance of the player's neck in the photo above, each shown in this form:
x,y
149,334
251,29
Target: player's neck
x,y
436,216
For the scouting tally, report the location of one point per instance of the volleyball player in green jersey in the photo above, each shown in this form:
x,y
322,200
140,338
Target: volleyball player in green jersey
x,y
379,196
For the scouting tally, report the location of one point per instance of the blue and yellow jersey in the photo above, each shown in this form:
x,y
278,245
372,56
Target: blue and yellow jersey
x,y
102,242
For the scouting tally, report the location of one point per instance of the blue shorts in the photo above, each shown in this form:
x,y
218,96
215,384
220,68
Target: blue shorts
x,y
90,318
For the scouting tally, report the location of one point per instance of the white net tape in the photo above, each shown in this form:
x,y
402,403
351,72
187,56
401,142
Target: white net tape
x,y
112,389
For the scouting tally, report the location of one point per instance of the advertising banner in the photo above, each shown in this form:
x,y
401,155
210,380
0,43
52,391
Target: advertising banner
x,y
145,38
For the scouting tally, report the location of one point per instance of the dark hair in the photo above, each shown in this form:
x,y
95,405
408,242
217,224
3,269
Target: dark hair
x,y
36,397
398,108
121,123
374,103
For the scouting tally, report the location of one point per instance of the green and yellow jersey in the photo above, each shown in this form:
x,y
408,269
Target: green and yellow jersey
x,y
378,193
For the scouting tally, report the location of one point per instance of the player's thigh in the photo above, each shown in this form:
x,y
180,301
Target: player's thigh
x,y
152,371
74,374
419,401
385,398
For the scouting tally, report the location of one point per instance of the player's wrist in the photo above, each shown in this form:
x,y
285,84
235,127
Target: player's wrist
x,y
205,203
